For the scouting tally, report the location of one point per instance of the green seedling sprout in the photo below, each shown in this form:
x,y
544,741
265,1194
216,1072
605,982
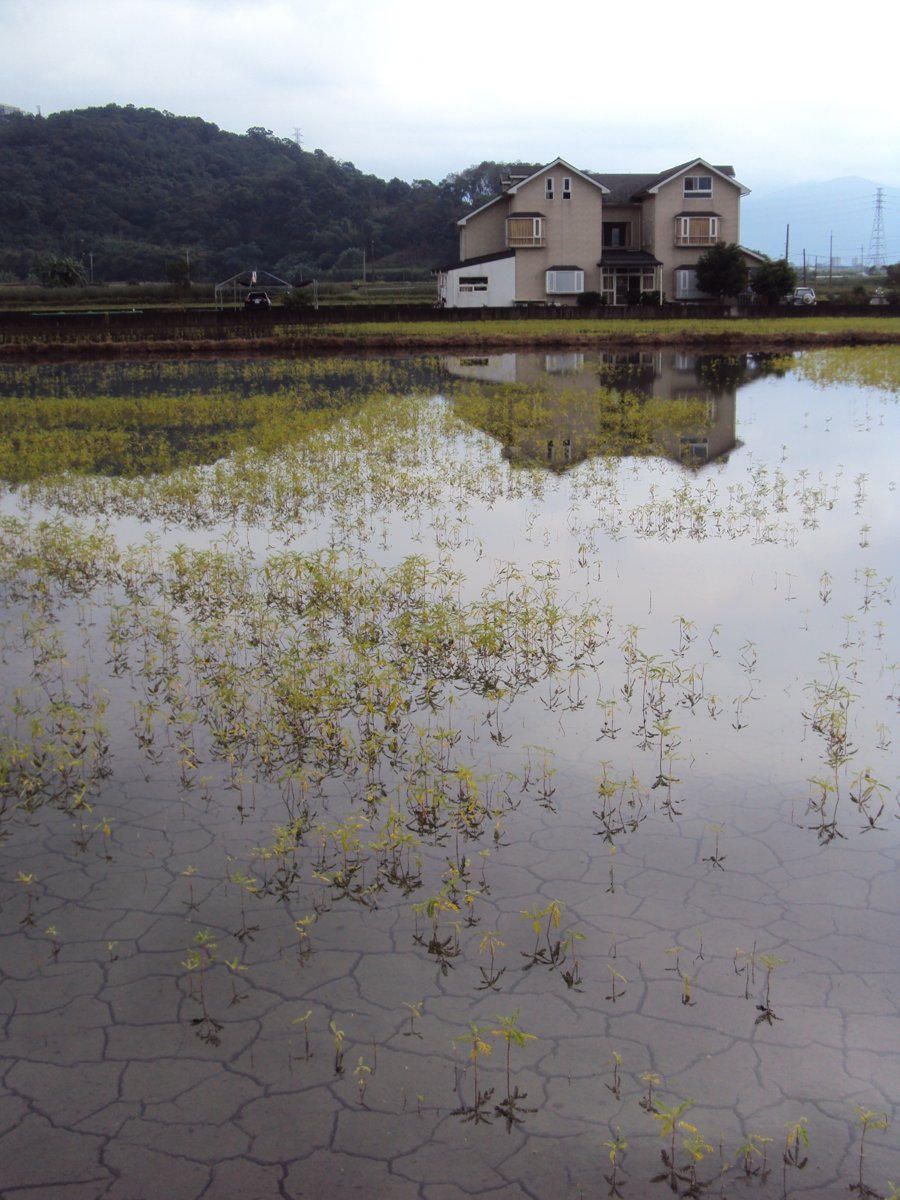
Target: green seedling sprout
x,y
474,1039
302,926
796,1141
766,1012
756,1144
687,985
304,1021
616,1086
716,859
668,1117
868,1119
27,880
415,1013
616,977
53,933
362,1072
201,956
510,1108
489,944
652,1080
572,976
616,1147
337,1037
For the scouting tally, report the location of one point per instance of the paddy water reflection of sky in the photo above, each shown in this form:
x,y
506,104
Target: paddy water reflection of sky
x,y
774,549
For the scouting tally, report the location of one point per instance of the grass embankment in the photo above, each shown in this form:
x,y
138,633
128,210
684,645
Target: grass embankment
x,y
483,336
588,333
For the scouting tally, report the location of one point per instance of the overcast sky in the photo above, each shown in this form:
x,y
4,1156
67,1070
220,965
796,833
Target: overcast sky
x,y
418,90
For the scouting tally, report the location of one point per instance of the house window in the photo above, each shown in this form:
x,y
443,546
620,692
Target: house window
x,y
616,233
686,284
473,283
567,188
697,185
564,283
548,188
696,231
525,231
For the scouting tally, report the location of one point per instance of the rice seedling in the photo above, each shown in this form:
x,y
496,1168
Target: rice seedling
x,y
868,1119
668,1118
27,879
415,1014
618,984
510,1108
766,1012
477,1047
716,859
550,953
616,1086
361,1072
489,944
55,941
337,1038
616,1148
201,956
652,1080
796,1142
304,1021
754,1159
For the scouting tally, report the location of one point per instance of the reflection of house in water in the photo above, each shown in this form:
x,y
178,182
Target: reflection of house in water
x,y
558,409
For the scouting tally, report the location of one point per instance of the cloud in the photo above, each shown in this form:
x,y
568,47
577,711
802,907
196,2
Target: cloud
x,y
404,88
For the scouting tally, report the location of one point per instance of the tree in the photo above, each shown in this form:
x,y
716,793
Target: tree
x,y
772,280
178,272
722,270
893,275
61,272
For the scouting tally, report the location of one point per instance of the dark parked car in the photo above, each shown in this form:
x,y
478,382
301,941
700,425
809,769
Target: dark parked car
x,y
257,300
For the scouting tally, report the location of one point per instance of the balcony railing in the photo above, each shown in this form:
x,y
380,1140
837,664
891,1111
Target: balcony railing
x,y
514,242
696,239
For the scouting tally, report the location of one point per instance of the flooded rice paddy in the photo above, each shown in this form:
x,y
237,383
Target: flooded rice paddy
x,y
450,777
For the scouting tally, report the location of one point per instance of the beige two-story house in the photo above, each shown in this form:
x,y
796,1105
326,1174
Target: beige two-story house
x,y
550,236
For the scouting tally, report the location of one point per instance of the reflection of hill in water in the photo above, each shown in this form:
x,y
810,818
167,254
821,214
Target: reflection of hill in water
x,y
555,410
134,419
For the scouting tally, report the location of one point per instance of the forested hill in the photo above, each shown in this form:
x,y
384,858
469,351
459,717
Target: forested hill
x,y
135,189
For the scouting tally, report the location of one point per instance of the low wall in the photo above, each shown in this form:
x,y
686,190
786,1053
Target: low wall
x,y
17,327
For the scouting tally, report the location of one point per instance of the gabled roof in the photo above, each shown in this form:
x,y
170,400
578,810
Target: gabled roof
x,y
521,182
724,172
626,188
474,262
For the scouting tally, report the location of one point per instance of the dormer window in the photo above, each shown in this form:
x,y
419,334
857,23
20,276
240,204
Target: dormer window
x,y
697,185
548,188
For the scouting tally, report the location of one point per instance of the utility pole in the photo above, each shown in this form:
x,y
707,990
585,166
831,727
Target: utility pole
x,y
787,243
830,255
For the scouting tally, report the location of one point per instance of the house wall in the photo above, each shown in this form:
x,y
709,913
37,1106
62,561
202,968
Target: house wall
x,y
500,291
574,234
484,233
661,210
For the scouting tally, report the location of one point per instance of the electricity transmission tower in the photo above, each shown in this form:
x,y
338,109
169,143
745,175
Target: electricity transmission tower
x,y
877,253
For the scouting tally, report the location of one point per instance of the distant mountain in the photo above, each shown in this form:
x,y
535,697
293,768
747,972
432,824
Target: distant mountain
x,y
132,189
838,214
